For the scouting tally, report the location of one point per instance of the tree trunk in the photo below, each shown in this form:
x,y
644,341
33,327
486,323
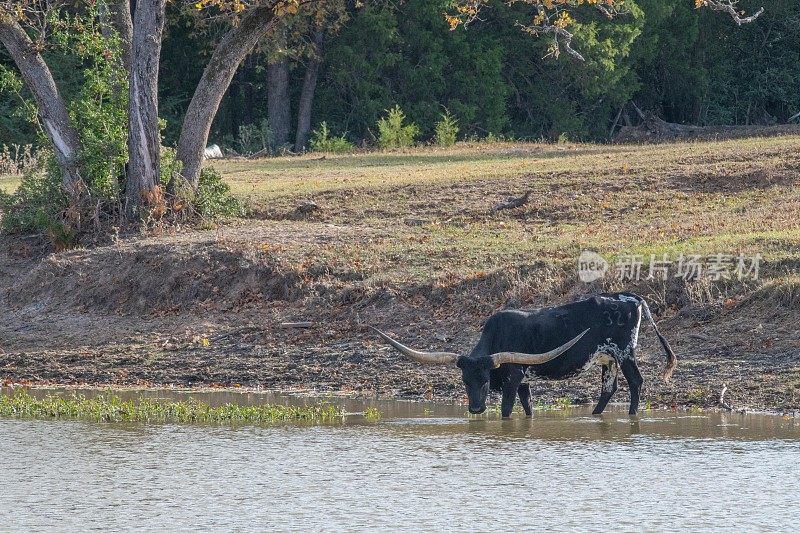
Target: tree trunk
x,y
279,110
52,111
234,47
121,19
144,146
307,94
278,105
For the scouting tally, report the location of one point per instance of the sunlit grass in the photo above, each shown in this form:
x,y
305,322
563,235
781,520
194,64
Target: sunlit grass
x,y
9,183
273,177
419,214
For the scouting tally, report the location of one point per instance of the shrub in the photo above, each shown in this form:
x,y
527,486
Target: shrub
x,y
321,141
36,206
213,197
99,110
255,138
392,133
446,130
170,166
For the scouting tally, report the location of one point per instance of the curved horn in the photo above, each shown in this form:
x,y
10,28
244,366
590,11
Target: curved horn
x,y
534,358
431,358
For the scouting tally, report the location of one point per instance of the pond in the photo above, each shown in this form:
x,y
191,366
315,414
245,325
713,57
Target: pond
x,y
423,466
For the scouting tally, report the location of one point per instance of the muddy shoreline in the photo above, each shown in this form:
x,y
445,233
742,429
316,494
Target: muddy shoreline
x,y
352,363
216,321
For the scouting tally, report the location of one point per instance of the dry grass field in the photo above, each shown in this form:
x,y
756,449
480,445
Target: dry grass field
x,y
427,212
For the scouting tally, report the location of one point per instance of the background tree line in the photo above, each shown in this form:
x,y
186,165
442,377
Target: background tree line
x,y
347,64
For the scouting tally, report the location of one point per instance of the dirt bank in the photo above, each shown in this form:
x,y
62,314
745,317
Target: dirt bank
x,y
208,309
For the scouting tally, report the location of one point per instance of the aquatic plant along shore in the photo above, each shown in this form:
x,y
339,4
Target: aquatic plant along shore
x,y
107,407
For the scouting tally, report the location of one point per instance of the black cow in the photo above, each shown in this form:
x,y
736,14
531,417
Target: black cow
x,y
517,347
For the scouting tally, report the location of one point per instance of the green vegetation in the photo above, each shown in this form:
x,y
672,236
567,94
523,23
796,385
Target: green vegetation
x,y
323,141
372,414
393,132
254,138
111,408
35,205
687,65
213,196
446,130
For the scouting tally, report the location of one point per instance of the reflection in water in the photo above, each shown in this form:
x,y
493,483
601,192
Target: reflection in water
x,y
423,467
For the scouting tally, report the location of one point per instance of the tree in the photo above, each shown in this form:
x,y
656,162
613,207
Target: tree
x,y
553,17
251,23
315,24
279,109
52,111
235,45
144,139
307,93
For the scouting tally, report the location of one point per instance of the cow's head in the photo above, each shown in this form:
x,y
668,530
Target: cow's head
x,y
475,369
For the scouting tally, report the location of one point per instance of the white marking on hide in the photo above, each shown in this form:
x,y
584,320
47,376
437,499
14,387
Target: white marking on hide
x,y
605,354
635,330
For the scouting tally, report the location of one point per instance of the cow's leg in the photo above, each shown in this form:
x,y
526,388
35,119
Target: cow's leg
x,y
511,384
609,387
524,393
634,379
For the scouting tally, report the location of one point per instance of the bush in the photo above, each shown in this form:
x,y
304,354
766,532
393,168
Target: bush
x,y
255,138
321,141
446,130
170,166
392,133
213,197
37,206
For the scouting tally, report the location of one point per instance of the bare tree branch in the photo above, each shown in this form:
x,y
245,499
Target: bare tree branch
x,y
729,6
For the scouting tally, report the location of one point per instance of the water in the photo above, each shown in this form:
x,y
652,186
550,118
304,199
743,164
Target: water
x,y
423,467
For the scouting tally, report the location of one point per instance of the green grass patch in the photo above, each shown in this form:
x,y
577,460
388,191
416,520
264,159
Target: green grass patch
x,y
9,184
112,408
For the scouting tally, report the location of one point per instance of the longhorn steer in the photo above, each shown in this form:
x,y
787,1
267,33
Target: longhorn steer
x,y
517,347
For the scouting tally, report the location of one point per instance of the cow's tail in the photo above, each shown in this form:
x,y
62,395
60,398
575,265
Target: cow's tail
x,y
672,361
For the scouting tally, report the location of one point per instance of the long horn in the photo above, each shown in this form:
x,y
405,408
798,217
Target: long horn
x,y
534,358
431,358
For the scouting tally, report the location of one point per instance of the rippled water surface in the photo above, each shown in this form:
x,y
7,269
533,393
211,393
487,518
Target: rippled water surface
x,y
422,467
